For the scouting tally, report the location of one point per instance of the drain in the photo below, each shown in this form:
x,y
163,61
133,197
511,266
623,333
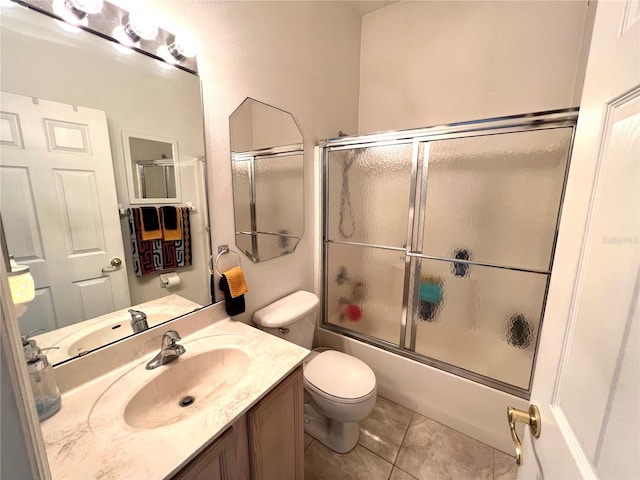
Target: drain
x,y
186,401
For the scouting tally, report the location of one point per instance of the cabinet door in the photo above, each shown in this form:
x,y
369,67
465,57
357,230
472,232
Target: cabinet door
x,y
276,432
216,462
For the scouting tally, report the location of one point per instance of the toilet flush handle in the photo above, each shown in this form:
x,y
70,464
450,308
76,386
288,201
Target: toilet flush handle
x,y
284,331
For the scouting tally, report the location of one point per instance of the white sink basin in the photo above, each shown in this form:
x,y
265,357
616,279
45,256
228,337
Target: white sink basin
x,y
111,333
184,385
208,373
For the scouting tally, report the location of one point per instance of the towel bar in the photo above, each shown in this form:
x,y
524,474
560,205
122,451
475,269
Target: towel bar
x,y
222,249
189,205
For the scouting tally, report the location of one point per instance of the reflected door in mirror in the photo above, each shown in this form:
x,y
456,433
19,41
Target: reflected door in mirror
x,y
59,219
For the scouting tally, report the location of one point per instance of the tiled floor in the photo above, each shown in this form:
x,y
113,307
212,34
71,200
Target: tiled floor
x,y
399,444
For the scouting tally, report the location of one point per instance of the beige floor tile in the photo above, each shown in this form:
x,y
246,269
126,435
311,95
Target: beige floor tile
x,y
320,463
504,466
433,451
383,430
307,440
397,474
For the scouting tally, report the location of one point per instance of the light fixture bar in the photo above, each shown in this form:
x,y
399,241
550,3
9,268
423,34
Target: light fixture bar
x,y
103,18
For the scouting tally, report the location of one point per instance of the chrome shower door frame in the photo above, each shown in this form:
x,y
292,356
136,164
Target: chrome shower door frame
x,y
421,140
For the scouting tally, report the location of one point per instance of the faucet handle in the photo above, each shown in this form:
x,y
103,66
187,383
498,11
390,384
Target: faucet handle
x,y
172,336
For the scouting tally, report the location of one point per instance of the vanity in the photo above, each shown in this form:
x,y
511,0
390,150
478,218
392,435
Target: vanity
x,y
230,407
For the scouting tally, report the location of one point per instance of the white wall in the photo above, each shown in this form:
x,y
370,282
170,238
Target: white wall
x,y
436,62
301,57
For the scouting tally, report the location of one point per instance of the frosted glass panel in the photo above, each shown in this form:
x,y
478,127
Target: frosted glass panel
x,y
279,196
482,319
364,290
369,194
495,198
242,196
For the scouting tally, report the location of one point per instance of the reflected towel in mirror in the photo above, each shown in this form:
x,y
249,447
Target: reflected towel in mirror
x,y
151,256
150,224
170,225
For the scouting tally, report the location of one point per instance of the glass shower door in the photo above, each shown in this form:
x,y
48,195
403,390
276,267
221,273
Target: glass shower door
x,y
368,192
482,260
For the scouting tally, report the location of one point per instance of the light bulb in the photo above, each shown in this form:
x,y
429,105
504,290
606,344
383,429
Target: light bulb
x,y
76,11
84,6
140,26
182,48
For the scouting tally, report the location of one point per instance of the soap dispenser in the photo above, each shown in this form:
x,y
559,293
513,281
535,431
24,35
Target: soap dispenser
x,y
42,379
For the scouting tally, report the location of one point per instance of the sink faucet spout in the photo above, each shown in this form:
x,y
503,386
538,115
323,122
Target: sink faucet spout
x,y
169,350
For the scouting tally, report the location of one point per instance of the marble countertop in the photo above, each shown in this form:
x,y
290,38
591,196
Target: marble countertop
x,y
85,442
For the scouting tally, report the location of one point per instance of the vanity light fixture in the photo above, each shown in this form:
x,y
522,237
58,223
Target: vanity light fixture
x,y
135,30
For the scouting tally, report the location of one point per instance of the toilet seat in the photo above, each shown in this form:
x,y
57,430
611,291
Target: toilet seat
x,y
339,377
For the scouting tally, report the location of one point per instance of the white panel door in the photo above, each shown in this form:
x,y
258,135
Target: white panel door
x,y
587,374
59,208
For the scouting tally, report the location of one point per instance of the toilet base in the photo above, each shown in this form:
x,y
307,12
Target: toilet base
x,y
340,437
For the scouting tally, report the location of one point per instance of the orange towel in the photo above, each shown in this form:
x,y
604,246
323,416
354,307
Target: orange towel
x,y
170,224
150,224
235,279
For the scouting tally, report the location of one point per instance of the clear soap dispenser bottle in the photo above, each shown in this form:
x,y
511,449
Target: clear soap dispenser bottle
x,y
42,379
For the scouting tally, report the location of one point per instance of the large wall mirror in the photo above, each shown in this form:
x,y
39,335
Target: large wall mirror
x,y
93,134
267,170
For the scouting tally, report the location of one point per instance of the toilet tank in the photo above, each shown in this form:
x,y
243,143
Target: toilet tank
x,y
292,318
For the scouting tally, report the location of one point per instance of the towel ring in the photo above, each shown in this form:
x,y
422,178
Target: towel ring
x,y
222,252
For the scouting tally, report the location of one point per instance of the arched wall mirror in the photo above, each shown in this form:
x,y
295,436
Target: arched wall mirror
x,y
90,134
267,169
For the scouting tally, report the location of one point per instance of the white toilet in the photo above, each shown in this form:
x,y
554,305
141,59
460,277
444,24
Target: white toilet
x,y
340,390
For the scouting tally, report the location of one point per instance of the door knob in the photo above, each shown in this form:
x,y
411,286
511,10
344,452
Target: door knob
x,y
115,264
531,418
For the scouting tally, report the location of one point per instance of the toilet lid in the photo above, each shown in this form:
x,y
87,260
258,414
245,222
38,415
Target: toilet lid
x,y
340,375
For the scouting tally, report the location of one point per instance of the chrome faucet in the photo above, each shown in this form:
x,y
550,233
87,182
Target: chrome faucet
x,y
138,321
169,350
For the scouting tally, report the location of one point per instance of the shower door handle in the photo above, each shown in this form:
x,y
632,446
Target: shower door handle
x,y
531,418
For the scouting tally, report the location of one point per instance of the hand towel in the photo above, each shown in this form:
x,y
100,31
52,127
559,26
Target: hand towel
x,y
233,306
150,224
235,280
170,224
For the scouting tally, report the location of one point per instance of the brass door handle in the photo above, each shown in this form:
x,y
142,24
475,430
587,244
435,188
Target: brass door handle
x,y
115,264
531,418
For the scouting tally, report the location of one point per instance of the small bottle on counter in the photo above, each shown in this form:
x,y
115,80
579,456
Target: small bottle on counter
x,y
42,379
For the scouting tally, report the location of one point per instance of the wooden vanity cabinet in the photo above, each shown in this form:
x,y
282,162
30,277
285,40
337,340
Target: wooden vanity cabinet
x,y
276,432
265,444
216,462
